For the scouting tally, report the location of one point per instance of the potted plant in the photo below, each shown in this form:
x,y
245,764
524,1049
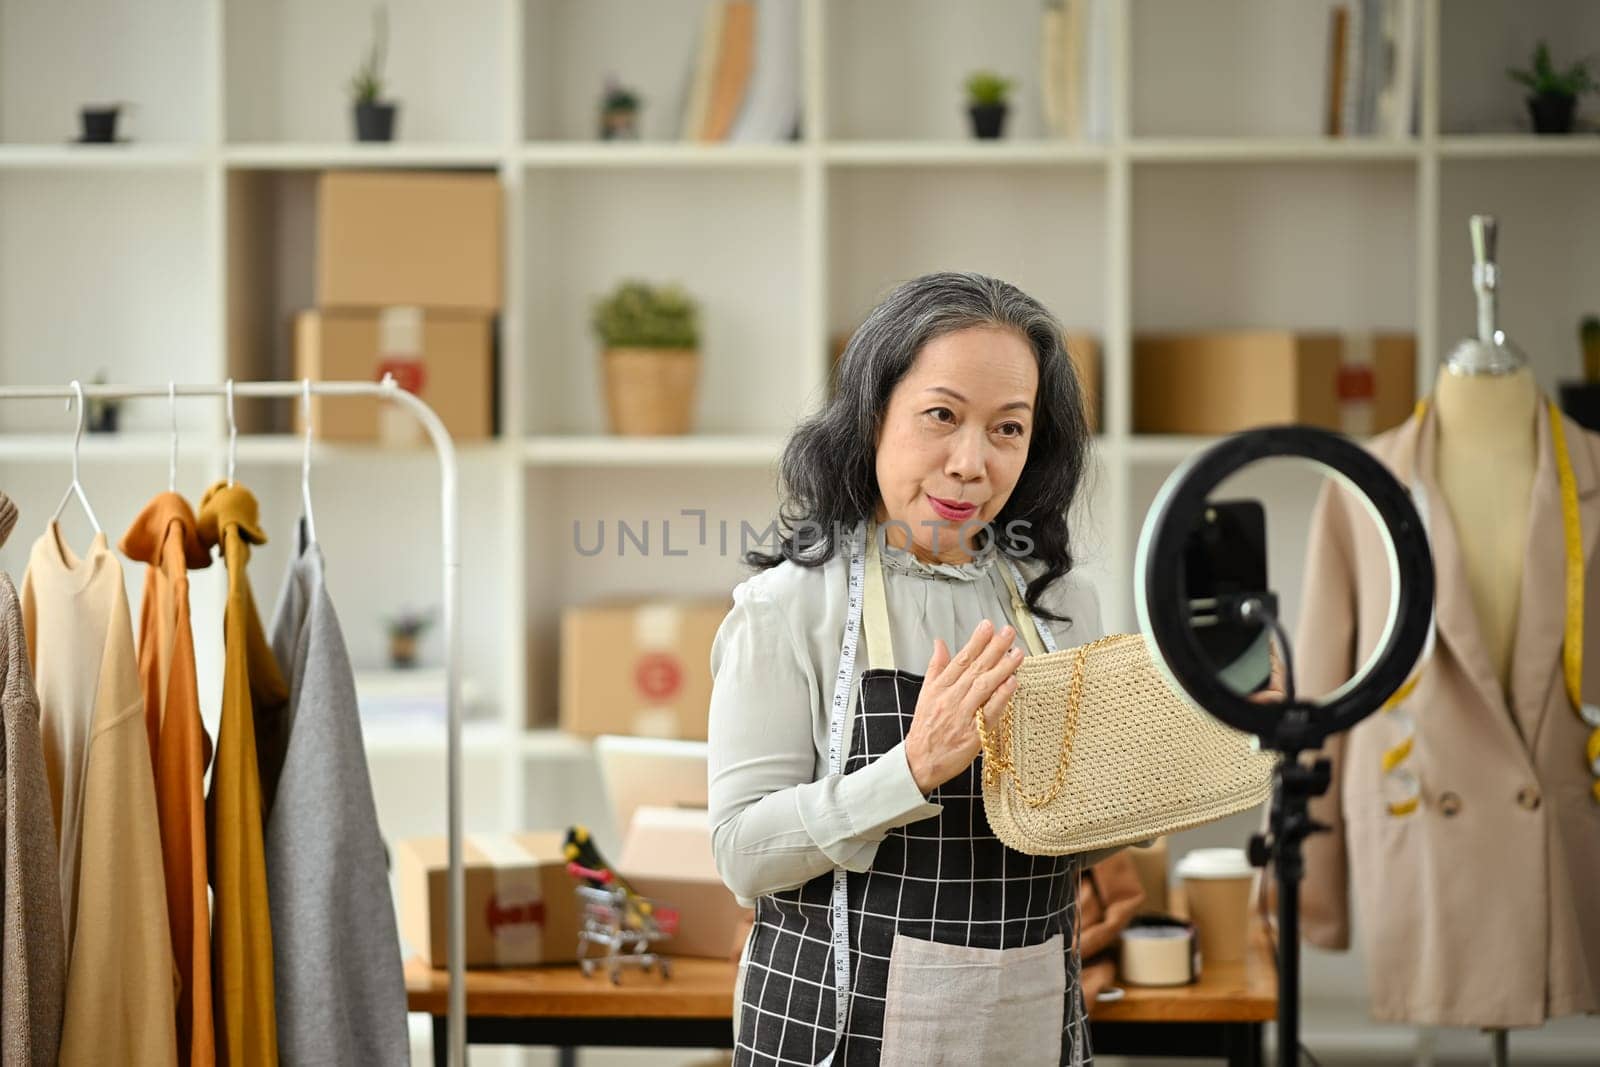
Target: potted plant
x,y
99,122
986,99
1554,99
619,113
649,337
374,115
405,628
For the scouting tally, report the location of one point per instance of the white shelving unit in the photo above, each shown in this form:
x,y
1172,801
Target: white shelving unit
x,y
1211,202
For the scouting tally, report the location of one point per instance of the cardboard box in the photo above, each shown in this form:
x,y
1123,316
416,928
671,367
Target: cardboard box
x,y
427,239
641,668
1224,382
666,856
1084,351
446,359
520,906
1151,865
1221,383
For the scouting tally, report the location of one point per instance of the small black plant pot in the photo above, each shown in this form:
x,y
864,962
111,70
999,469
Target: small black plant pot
x,y
988,120
99,124
375,122
104,420
1552,112
402,651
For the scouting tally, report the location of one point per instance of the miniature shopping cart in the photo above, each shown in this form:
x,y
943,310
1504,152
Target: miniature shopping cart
x,y
622,923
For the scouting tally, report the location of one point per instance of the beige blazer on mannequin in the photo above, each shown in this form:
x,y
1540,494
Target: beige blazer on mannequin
x,y
1482,908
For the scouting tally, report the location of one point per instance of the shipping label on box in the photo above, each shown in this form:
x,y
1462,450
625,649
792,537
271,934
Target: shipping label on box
x,y
639,668
1377,382
519,907
448,360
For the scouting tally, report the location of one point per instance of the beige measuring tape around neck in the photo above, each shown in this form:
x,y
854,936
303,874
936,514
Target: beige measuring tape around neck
x,y
1401,785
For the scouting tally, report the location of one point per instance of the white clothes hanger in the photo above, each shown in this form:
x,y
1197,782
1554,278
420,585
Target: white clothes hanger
x,y
172,462
305,462
76,488
233,433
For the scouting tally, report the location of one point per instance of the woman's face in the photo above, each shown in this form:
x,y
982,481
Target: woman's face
x,y
954,440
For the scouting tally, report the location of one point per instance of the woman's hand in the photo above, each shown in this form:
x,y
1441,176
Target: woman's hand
x,y
1274,692
943,740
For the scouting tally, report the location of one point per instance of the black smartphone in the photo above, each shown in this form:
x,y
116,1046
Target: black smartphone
x,y
1225,559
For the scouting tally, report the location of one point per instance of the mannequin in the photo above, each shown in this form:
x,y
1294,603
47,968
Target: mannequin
x,y
1482,864
1487,453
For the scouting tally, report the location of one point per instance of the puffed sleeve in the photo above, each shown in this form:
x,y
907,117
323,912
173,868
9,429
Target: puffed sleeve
x,y
773,826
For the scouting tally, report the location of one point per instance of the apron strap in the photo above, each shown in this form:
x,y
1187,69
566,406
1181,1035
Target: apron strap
x,y
875,608
1025,620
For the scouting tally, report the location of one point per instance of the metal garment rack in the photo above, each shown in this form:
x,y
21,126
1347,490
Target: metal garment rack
x,y
445,447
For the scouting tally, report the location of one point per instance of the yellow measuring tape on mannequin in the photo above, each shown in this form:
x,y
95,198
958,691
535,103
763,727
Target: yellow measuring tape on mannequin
x,y
1401,784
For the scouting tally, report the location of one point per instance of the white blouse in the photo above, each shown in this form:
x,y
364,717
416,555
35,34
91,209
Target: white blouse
x,y
778,818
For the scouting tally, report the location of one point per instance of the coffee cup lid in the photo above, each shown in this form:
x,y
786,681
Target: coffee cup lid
x,y
1215,863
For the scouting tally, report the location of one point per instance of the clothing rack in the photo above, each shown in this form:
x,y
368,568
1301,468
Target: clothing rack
x,y
444,446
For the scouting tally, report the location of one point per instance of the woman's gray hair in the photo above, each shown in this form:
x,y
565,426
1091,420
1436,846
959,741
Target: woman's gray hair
x,y
828,472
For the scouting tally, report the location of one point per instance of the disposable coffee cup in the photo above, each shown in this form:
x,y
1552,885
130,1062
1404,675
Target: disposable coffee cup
x,y
1217,882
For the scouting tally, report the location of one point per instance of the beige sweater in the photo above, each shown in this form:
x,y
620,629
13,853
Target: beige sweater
x,y
120,1006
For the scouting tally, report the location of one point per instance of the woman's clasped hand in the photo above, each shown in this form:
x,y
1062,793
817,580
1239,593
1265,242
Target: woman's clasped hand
x,y
943,738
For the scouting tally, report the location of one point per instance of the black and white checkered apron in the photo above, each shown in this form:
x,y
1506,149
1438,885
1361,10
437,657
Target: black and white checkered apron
x,y
945,879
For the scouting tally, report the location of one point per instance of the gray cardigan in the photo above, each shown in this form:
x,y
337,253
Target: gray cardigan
x,y
335,948
33,963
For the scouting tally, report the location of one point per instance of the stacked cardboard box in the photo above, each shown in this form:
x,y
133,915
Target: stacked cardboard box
x,y
666,856
639,667
1227,381
521,906
408,282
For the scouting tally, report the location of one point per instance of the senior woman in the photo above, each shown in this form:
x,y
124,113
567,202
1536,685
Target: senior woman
x,y
925,509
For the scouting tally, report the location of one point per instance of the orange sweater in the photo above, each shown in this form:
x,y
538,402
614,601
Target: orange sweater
x,y
253,698
164,536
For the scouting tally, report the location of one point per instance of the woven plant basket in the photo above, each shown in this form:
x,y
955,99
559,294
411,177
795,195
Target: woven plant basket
x,y
1141,760
650,391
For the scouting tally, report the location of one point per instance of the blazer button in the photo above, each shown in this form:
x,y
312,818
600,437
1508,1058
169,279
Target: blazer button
x,y
1529,798
1449,804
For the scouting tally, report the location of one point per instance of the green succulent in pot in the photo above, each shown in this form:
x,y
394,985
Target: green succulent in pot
x,y
637,314
650,337
987,103
986,87
1553,94
374,115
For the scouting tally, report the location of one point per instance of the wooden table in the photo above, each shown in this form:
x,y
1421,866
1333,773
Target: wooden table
x,y
1219,1017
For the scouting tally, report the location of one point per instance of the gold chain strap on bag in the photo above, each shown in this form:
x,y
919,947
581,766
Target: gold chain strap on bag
x,y
1095,750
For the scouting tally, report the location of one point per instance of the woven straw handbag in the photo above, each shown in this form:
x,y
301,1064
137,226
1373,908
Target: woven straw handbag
x,y
1095,750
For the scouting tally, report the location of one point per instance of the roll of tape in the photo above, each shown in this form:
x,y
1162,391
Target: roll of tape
x,y
1159,950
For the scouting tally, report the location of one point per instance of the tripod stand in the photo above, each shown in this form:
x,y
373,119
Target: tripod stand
x,y
1294,784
